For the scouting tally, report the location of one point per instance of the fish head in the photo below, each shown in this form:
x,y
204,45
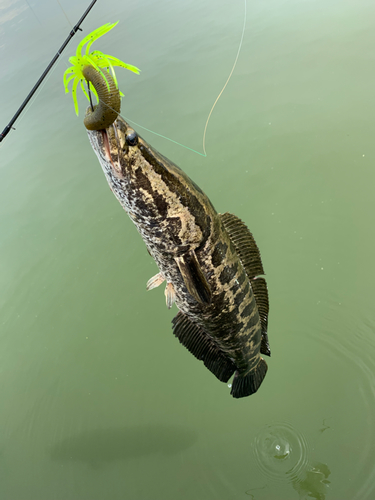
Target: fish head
x,y
154,191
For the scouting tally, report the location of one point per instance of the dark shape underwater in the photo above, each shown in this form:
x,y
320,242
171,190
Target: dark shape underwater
x,y
102,446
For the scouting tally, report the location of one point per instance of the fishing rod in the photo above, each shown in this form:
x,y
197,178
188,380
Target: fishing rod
x,y
76,28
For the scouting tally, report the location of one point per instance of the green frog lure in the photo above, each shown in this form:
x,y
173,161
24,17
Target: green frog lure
x,y
97,68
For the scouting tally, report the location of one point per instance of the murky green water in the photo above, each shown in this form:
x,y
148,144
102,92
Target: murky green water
x,y
98,400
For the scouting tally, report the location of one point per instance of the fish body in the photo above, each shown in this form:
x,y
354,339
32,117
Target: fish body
x,y
210,261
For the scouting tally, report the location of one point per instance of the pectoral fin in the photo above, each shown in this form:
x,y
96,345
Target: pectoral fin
x,y
193,277
155,281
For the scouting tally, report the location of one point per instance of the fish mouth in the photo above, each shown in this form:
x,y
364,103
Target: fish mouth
x,y
107,150
109,140
101,136
110,144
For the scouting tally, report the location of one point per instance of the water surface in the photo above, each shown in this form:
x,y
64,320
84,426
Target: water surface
x,y
98,399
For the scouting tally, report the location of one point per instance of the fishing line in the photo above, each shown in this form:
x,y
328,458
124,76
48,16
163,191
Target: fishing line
x,y
89,91
66,17
226,83
163,136
34,97
32,10
72,33
204,154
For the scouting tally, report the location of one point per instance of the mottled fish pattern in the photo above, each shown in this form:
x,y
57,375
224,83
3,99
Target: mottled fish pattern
x,y
209,261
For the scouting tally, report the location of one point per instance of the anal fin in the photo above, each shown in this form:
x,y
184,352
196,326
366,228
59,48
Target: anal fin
x,y
245,385
193,277
200,344
170,295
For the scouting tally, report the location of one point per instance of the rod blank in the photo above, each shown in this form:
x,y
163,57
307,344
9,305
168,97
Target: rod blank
x,y
76,28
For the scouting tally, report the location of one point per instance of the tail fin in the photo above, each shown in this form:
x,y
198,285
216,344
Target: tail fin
x,y
248,384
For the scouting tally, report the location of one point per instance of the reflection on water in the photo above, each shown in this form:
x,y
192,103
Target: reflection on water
x,y
315,483
282,454
100,446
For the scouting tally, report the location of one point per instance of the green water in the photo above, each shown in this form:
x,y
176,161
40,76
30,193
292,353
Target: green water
x,y
97,398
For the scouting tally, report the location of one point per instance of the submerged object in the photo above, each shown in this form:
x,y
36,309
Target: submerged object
x,y
210,261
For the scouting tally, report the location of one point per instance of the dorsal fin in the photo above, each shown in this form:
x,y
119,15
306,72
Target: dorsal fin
x,y
248,252
259,287
244,244
200,344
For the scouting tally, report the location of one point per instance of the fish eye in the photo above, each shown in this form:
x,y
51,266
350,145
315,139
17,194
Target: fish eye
x,y
132,138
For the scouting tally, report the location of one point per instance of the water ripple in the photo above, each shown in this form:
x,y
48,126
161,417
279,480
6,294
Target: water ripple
x,y
354,349
281,452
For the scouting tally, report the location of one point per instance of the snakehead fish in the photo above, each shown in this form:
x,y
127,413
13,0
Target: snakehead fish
x,y
209,261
